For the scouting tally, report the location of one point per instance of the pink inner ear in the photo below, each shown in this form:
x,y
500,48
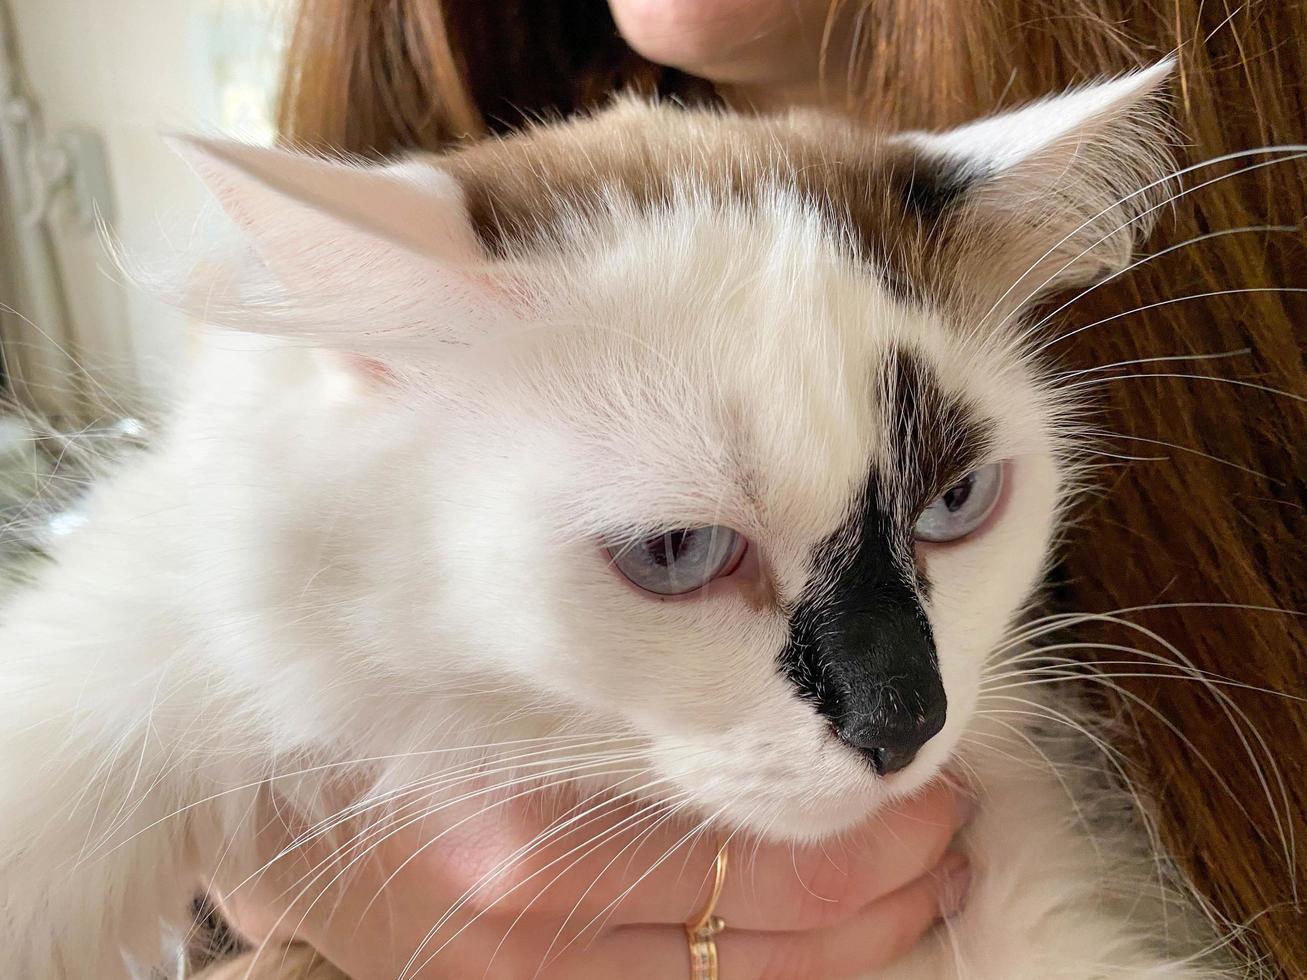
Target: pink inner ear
x,y
366,254
371,368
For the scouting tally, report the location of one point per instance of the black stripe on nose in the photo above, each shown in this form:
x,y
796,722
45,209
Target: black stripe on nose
x,y
861,648
866,660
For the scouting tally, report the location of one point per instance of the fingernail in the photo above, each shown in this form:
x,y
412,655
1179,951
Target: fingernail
x,y
953,875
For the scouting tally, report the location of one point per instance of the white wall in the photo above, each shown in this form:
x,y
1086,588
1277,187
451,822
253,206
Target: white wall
x,y
130,70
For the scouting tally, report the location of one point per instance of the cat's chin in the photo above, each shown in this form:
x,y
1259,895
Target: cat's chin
x,y
821,819
821,816
786,818
773,798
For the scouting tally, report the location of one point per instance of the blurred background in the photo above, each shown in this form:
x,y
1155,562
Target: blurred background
x,y
87,88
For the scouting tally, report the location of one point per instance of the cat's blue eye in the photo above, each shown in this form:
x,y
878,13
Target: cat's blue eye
x,y
680,561
963,507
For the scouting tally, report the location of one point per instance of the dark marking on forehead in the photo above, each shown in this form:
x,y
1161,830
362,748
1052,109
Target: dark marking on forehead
x,y
885,197
930,188
933,185
861,649
936,438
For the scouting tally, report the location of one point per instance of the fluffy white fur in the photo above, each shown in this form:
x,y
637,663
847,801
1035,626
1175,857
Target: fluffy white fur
x,y
378,540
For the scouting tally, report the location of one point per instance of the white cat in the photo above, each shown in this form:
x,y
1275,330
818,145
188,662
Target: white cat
x,y
722,434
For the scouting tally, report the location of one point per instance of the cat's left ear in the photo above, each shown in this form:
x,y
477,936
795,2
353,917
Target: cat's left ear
x,y
362,252
1055,194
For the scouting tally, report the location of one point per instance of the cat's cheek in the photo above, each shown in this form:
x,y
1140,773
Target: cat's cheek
x,y
978,587
974,581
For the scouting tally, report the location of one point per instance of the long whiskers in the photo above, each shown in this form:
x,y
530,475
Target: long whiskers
x,y
415,966
1210,294
1173,660
366,842
1293,152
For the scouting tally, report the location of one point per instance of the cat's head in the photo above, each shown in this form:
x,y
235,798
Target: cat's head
x,y
734,434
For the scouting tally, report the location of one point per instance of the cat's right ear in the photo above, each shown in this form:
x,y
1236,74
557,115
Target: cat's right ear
x,y
1052,195
362,253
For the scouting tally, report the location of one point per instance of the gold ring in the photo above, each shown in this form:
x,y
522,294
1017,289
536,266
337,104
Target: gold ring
x,y
700,930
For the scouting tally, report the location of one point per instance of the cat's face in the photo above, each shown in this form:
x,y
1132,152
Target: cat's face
x,y
761,476
705,506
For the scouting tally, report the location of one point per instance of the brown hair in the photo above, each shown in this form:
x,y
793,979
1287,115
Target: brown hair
x,y
376,76
1218,519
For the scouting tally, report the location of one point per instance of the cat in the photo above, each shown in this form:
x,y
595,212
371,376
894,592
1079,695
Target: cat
x,y
722,440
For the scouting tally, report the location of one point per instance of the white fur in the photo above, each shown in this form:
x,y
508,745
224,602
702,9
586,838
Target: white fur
x,y
317,565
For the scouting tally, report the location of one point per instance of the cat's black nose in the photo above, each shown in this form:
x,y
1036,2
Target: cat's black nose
x,y
862,653
881,688
899,723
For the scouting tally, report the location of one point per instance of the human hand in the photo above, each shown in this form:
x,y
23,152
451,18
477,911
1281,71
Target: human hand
x,y
593,903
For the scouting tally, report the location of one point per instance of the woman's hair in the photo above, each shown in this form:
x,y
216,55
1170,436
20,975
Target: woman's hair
x,y
1205,525
374,77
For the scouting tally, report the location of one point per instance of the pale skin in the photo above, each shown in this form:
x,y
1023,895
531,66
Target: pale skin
x,y
835,910
580,912
762,53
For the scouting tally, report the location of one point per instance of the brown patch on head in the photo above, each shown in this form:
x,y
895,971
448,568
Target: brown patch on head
x,y
941,224
891,201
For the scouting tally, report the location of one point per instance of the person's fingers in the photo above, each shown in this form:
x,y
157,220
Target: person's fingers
x,y
789,887
496,947
595,873
385,908
621,870
875,937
